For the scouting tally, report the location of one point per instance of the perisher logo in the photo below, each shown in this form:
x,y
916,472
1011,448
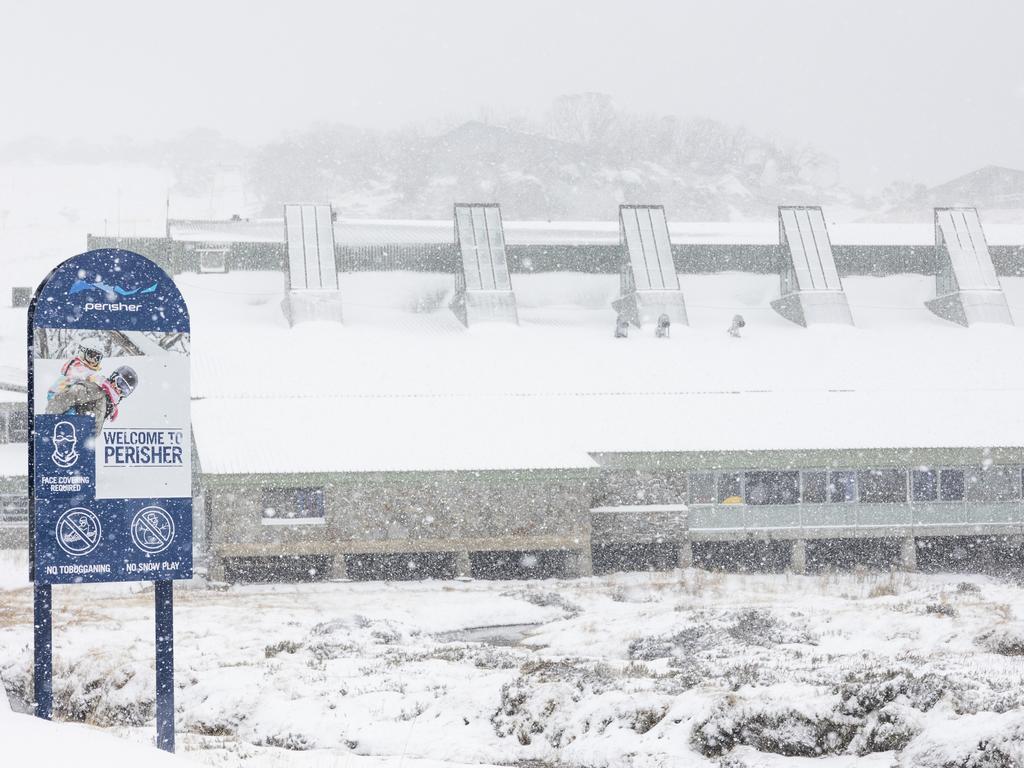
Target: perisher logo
x,y
109,290
112,293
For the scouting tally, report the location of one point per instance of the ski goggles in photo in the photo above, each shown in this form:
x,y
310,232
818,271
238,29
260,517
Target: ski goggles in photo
x,y
122,384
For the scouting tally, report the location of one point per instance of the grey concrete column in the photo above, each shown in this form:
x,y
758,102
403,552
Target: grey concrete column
x,y
684,554
463,565
215,569
798,556
908,554
579,563
339,568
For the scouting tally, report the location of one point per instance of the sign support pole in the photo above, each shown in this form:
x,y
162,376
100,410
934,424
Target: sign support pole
x,y
43,650
165,665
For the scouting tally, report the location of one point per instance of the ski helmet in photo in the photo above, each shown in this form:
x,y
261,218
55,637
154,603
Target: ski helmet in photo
x,y
124,380
90,350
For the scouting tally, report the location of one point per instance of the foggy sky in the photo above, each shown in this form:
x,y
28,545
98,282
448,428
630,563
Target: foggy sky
x,y
894,90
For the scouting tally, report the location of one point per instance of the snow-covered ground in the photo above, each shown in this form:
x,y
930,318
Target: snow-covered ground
x,y
685,668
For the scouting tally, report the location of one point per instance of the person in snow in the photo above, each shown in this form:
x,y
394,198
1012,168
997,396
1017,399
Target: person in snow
x,y
664,326
99,399
84,366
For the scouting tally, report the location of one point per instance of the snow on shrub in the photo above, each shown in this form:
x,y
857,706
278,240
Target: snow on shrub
x,y
555,703
984,740
868,690
1006,639
795,721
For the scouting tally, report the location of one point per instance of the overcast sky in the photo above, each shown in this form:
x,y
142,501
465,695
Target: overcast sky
x,y
915,90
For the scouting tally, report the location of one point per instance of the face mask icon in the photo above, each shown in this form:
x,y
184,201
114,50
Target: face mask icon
x,y
64,443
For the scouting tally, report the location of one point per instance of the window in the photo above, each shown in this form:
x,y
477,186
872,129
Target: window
x,y
772,487
882,486
993,484
925,484
212,259
951,485
282,506
13,509
730,488
842,487
814,487
702,488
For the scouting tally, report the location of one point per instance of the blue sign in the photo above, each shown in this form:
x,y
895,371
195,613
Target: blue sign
x,y
112,460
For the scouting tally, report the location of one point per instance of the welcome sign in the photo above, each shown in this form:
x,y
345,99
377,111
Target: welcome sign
x,y
112,456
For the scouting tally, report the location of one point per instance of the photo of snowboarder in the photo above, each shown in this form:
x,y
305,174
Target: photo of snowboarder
x,y
84,366
99,399
116,383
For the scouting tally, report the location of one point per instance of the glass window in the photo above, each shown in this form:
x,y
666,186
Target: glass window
x,y
13,508
772,487
993,484
842,487
925,484
283,505
882,486
814,488
702,488
951,485
730,488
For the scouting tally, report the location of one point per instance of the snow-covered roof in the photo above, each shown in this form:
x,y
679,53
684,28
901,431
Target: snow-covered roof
x,y
13,383
381,232
403,386
13,459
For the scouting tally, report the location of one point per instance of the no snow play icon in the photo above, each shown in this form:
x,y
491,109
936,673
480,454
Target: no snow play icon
x,y
152,530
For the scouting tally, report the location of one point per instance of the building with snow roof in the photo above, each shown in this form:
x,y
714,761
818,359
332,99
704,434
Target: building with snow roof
x,y
13,456
402,438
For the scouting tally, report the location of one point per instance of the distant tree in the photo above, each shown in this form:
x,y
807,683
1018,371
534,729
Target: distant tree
x,y
582,118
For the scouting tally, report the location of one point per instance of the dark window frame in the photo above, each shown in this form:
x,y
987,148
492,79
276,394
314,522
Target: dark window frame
x,y
867,494
924,492
773,481
824,486
721,491
944,488
831,487
310,500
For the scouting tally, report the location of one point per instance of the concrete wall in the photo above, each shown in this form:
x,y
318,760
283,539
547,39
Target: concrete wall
x,y
407,513
876,260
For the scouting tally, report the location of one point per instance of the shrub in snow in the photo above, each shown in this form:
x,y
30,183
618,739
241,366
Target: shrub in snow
x,y
889,729
984,740
285,646
867,691
685,643
775,728
101,694
558,702
1006,640
547,599
757,627
294,741
940,609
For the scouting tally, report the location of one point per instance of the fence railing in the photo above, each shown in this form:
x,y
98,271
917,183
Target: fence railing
x,y
746,517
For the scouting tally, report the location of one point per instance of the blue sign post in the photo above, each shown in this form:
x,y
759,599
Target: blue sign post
x,y
110,456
